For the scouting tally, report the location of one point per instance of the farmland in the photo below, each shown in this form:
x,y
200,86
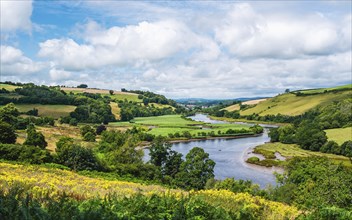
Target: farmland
x,y
55,111
339,135
170,124
116,95
8,87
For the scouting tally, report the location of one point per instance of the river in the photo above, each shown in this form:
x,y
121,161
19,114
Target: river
x,y
230,155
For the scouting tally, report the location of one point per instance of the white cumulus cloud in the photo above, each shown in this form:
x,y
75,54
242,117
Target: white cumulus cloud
x,y
16,15
13,62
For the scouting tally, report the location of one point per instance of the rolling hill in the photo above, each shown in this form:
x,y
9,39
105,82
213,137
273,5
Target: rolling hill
x,y
297,102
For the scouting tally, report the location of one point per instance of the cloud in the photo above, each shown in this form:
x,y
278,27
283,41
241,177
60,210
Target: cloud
x,y
15,15
13,62
59,75
147,41
247,33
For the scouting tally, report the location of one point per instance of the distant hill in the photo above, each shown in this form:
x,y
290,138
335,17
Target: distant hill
x,y
296,102
201,101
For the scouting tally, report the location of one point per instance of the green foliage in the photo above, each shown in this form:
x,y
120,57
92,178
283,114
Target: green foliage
x,y
130,110
35,138
7,133
9,114
75,156
22,153
239,186
315,182
168,161
195,170
17,204
89,136
310,137
287,134
88,133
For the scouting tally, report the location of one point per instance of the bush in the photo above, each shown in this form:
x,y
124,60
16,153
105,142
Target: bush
x,y
7,133
22,153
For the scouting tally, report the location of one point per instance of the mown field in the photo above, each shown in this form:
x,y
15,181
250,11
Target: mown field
x,y
339,135
117,94
292,150
55,111
170,124
43,182
290,104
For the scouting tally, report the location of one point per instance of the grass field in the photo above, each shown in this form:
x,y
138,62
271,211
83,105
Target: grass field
x,y
8,87
290,104
117,94
292,150
339,135
321,90
166,124
232,108
55,111
115,110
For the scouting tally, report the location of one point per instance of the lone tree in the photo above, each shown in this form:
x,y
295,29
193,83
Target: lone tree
x,y
111,92
35,138
82,86
196,170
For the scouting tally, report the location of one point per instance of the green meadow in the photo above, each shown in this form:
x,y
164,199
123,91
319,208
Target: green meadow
x,y
290,104
55,111
171,124
339,135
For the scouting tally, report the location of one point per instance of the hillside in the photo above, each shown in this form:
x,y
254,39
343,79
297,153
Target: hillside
x,y
46,183
295,103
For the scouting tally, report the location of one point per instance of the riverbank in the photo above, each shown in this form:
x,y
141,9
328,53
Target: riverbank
x,y
146,144
271,152
246,121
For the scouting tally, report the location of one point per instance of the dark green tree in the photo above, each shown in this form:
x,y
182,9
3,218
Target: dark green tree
x,y
310,137
196,170
7,133
75,156
35,138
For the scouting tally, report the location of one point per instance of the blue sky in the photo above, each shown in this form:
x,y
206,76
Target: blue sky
x,y
207,49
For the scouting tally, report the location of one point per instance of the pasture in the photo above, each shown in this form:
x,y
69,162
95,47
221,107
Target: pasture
x,y
171,124
8,87
339,135
55,111
117,94
322,90
290,104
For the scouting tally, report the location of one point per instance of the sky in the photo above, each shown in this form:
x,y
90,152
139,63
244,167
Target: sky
x,y
181,49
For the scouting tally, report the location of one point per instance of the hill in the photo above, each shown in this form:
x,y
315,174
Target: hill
x,y
297,102
46,184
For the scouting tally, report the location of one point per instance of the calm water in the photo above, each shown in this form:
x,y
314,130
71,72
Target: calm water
x,y
229,155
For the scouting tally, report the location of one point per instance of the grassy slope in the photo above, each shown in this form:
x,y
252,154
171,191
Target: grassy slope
x,y
115,110
117,94
339,135
53,134
43,181
54,111
8,87
290,104
232,108
292,150
321,90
